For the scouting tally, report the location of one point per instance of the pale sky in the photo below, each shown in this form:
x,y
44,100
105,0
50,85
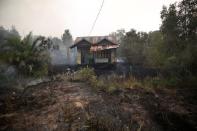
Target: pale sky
x,y
52,17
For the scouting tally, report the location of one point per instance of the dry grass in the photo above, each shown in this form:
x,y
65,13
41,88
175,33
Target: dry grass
x,y
105,83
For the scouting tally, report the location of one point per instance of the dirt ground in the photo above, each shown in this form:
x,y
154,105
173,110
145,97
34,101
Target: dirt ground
x,y
66,106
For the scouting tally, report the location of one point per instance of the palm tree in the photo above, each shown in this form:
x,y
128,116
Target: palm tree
x,y
29,56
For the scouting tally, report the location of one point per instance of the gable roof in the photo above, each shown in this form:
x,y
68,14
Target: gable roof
x,y
94,39
104,40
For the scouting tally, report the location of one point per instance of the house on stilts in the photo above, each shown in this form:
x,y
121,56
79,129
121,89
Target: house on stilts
x,y
95,49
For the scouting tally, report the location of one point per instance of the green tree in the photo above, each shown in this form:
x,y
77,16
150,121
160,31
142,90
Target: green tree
x,y
170,30
179,30
30,57
188,19
6,34
118,37
67,38
133,47
154,56
188,35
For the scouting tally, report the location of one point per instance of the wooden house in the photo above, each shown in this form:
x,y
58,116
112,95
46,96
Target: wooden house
x,y
95,49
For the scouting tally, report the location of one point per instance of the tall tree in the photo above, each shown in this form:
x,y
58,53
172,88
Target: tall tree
x,y
153,52
170,29
188,26
188,19
133,46
118,37
67,40
179,30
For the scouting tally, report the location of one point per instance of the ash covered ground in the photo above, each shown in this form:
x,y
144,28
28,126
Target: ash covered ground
x,y
62,106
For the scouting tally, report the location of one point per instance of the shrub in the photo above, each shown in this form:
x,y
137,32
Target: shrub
x,y
85,74
137,85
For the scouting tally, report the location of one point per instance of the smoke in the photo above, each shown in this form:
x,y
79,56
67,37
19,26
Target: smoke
x,y
61,54
73,56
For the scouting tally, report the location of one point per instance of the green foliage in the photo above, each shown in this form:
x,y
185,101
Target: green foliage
x,y
86,74
172,49
179,33
113,82
118,36
133,47
6,34
154,57
30,57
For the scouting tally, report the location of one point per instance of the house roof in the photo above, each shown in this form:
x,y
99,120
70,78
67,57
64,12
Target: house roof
x,y
94,39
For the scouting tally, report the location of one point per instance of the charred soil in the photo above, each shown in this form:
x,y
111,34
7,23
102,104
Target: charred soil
x,y
61,106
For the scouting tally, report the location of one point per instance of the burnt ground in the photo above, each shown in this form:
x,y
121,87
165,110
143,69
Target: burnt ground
x,y
62,106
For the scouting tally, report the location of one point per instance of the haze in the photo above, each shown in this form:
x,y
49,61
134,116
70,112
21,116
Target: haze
x,y
52,17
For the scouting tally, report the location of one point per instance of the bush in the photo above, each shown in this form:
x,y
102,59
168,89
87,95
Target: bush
x,y
85,74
